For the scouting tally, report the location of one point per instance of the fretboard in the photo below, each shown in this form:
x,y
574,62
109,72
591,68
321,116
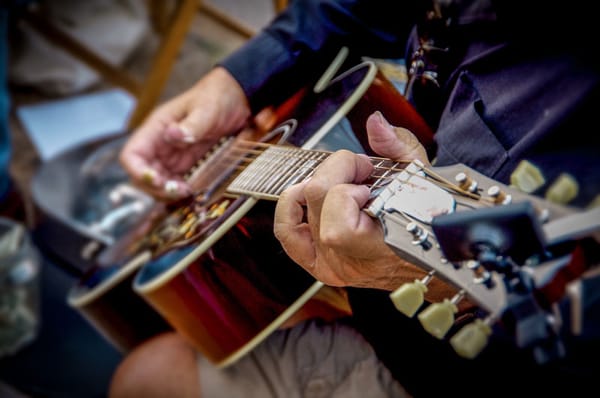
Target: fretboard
x,y
278,167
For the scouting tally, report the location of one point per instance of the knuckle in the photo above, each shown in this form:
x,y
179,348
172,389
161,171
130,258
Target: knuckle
x,y
342,155
332,237
315,189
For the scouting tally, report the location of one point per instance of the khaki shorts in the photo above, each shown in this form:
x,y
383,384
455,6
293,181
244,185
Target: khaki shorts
x,y
313,359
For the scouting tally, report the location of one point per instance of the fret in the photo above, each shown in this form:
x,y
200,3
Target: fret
x,y
279,167
285,170
261,171
256,171
388,167
275,169
309,166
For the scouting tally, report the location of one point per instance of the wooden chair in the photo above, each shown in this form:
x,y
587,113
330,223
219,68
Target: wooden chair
x,y
170,19
233,23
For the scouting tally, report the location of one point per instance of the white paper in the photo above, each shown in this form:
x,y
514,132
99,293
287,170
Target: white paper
x,y
58,125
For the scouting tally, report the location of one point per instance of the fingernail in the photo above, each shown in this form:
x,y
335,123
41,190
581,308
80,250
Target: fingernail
x,y
186,135
148,175
383,120
171,187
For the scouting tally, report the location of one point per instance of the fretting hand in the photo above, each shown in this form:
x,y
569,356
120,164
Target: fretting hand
x,y
322,227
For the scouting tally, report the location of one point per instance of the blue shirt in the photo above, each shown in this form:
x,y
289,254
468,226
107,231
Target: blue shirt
x,y
507,93
518,82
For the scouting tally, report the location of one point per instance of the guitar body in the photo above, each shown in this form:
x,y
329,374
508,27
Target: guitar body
x,y
230,291
103,294
210,266
105,299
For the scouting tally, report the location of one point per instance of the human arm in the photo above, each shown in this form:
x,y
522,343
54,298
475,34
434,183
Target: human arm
x,y
295,48
288,54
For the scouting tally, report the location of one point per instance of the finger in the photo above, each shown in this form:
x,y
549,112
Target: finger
x,y
165,189
140,171
151,179
343,223
339,168
137,153
395,143
179,133
290,229
344,166
197,126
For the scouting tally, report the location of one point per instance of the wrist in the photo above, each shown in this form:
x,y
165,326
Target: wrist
x,y
232,101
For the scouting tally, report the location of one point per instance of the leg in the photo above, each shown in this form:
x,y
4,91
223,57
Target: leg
x,y
165,366
313,358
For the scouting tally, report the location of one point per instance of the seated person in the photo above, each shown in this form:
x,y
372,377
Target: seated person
x,y
500,83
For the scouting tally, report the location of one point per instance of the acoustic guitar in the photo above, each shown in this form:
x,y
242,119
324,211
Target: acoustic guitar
x,y
210,290
210,266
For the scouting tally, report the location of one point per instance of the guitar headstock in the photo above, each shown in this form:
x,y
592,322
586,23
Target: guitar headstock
x,y
488,240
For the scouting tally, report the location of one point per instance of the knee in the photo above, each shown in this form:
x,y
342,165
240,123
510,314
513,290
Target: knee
x,y
163,366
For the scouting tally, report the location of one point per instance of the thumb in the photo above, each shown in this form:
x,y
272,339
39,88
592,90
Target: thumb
x,y
392,142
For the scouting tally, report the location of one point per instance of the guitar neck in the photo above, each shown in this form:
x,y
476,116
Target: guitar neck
x,y
277,167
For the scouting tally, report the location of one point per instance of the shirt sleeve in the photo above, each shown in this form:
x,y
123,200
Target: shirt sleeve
x,y
298,45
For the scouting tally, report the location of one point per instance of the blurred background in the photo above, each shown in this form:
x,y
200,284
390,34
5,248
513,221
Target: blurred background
x,y
129,35
82,72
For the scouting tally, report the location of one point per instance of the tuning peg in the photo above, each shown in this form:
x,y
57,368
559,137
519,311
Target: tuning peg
x,y
420,235
527,177
438,318
499,196
466,182
469,341
409,297
564,189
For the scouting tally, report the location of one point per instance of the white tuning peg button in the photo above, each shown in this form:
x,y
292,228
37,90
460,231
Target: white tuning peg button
x,y
438,318
466,182
409,297
469,341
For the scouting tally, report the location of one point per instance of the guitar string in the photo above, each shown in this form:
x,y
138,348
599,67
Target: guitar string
x,y
252,150
257,153
248,151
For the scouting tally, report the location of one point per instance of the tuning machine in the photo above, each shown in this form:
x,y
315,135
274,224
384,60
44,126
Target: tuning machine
x,y
511,231
465,182
438,318
409,297
420,235
499,196
472,338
